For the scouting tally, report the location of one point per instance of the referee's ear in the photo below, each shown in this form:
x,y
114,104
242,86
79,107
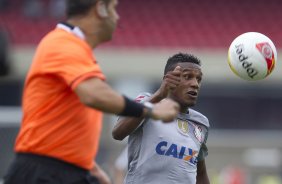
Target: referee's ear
x,y
101,8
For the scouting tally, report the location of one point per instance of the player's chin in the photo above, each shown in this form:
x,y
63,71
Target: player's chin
x,y
191,102
107,35
107,38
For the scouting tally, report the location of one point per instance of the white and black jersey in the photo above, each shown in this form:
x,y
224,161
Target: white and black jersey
x,y
167,153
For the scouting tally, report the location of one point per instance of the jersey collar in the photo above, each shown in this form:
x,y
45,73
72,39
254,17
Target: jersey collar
x,y
183,116
71,29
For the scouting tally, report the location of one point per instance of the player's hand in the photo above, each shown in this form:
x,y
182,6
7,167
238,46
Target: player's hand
x,y
170,82
100,174
166,110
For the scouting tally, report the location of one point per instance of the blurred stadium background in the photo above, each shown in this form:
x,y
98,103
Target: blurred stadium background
x,y
245,141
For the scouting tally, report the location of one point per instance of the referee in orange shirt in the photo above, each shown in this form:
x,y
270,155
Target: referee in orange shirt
x,y
64,96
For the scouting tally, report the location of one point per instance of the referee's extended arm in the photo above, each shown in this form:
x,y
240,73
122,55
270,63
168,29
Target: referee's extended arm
x,y
99,95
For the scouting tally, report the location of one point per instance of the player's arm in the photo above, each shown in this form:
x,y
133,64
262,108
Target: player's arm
x,y
126,126
202,176
99,95
100,174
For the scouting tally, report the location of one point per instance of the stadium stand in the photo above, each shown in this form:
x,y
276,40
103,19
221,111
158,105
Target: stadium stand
x,y
177,23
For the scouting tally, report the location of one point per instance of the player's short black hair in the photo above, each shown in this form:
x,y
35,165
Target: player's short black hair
x,y
180,58
80,7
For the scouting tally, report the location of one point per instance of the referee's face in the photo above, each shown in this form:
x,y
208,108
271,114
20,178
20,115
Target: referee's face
x,y
187,91
110,22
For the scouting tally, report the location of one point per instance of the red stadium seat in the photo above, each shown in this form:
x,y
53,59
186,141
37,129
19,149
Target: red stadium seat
x,y
166,23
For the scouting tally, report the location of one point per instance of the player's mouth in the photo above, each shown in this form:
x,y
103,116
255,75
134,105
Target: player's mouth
x,y
192,94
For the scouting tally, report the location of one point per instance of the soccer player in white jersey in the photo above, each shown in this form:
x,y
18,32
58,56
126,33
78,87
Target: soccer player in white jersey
x,y
174,152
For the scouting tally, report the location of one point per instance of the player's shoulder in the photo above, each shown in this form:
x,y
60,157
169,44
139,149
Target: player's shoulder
x,y
59,39
199,117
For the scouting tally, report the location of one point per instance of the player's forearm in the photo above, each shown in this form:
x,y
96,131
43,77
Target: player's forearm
x,y
99,95
108,102
202,176
203,180
156,97
125,126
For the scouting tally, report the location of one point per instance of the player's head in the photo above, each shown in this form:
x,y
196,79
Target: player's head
x,y
180,58
190,80
97,18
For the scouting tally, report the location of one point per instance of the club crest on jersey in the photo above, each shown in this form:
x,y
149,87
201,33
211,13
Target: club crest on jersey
x,y
183,127
198,133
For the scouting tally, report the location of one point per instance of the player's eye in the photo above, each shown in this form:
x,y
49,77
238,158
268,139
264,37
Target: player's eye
x,y
199,79
186,77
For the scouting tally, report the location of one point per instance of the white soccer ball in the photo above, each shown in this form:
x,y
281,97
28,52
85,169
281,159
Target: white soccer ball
x,y
252,56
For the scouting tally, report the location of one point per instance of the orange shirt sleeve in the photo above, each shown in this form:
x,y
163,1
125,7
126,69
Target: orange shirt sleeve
x,y
72,61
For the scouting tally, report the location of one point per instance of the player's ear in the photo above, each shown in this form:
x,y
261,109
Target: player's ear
x,y
102,9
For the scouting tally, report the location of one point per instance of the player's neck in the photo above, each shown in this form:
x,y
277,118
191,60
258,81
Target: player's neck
x,y
183,109
88,29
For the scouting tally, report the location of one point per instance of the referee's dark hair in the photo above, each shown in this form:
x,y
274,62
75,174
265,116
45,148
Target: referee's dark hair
x,y
80,7
180,58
